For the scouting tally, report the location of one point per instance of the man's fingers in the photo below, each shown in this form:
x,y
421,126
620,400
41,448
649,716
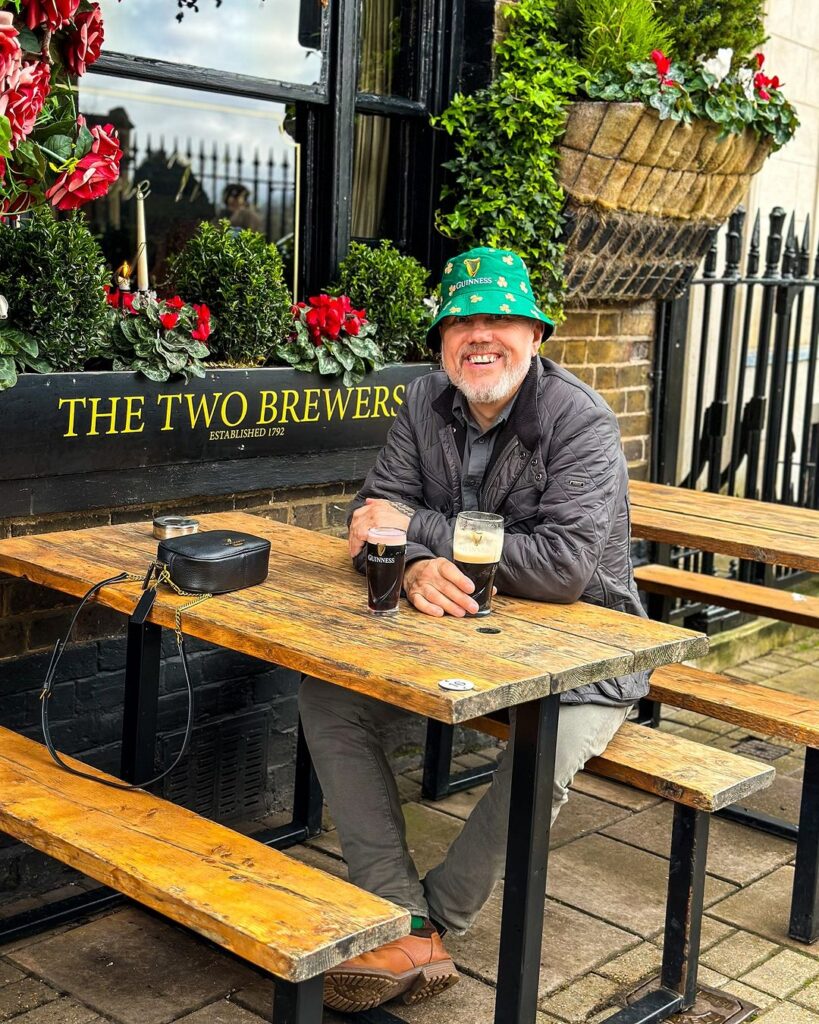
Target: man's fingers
x,y
453,574
418,600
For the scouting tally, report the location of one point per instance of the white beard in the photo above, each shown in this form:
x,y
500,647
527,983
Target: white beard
x,y
507,384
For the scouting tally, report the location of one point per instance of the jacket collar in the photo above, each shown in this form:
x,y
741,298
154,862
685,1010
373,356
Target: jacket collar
x,y
524,421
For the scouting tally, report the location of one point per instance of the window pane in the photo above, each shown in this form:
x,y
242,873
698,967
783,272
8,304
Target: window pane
x,y
373,171
275,39
386,41
205,155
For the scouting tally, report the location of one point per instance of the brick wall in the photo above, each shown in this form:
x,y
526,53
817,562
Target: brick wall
x,y
611,350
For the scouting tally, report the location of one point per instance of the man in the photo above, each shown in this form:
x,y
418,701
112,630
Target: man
x,y
504,431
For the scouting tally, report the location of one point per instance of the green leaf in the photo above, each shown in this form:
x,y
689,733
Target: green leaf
x,y
5,136
28,40
8,373
327,365
61,147
85,140
14,341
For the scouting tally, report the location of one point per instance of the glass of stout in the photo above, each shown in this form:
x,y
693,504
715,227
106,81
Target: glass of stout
x,y
476,550
386,554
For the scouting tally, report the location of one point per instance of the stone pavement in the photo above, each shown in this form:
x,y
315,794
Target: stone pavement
x,y
603,926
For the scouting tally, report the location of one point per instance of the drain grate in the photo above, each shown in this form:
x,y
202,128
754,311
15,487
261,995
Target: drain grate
x,y
752,746
224,774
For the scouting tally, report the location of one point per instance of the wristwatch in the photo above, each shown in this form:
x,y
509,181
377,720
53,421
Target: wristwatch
x,y
408,510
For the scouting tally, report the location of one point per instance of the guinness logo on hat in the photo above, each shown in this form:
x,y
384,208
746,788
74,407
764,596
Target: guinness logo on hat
x,y
472,267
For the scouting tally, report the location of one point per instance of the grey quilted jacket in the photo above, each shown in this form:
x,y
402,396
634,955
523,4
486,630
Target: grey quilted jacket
x,y
558,477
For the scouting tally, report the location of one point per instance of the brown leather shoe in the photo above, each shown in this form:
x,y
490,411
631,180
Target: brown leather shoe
x,y
411,968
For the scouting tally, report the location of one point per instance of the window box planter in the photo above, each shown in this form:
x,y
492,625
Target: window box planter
x,y
106,439
644,197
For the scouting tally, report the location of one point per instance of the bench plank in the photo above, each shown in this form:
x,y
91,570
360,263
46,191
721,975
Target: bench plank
x,y
787,605
747,705
669,766
290,919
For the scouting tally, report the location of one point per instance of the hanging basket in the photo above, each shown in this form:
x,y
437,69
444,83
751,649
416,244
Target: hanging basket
x,y
644,196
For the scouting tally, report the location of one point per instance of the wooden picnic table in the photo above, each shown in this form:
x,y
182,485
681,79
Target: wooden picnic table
x,y
757,530
310,615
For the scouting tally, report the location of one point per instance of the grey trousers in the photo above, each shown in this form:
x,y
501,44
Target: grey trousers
x,y
343,731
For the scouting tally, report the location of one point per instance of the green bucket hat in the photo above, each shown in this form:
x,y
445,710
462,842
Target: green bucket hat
x,y
487,280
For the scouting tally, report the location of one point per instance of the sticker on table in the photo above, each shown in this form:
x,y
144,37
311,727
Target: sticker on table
x,y
456,684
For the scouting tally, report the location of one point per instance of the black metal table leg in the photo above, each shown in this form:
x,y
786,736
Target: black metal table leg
x,y
437,759
141,693
527,851
307,804
804,923
298,1003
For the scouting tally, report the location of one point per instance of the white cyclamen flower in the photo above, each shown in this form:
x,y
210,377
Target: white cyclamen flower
x,y
4,307
746,80
720,65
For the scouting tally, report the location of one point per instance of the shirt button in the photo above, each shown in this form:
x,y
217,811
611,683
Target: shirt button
x,y
480,440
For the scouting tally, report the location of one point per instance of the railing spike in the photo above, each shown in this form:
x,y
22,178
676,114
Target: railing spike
x,y
710,266
733,241
773,249
791,253
804,249
752,263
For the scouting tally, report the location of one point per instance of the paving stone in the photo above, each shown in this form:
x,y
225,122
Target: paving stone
x,y
583,815
225,1012
764,909
635,966
797,680
738,954
713,979
619,883
134,967
787,1013
60,1011
808,996
9,973
587,996
736,853
751,995
613,792
781,799
20,996
459,805
783,974
696,735
713,932
573,944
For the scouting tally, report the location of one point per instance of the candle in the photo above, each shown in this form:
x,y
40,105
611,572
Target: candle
x,y
123,276
142,191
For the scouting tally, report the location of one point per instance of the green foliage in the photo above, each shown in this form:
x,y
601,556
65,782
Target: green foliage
x,y
733,103
139,341
700,27
617,32
391,288
505,187
239,276
52,274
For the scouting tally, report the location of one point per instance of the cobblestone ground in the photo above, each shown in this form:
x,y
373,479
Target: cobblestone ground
x,y
603,925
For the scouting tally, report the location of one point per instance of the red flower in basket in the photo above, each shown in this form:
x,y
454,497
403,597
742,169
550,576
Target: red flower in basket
x,y
94,173
53,14
169,320
202,330
174,303
663,66
82,47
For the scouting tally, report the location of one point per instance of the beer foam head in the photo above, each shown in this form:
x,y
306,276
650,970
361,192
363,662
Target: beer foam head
x,y
386,535
472,545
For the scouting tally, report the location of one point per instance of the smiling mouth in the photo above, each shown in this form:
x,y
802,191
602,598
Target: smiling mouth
x,y
482,358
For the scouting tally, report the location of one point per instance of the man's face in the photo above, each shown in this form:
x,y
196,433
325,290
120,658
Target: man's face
x,y
487,356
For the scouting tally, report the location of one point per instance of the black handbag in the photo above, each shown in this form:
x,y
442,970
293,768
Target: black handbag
x,y
198,565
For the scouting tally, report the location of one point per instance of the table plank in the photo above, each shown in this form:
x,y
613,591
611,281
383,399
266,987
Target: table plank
x,y
311,616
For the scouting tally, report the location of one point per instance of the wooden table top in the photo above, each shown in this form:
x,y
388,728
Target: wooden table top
x,y
311,615
758,530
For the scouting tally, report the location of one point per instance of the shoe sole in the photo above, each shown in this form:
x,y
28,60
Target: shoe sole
x,y
353,992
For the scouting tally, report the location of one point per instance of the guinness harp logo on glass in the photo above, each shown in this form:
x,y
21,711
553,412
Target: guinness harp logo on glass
x,y
381,549
472,267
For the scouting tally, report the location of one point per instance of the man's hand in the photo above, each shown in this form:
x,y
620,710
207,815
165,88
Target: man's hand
x,y
377,512
436,586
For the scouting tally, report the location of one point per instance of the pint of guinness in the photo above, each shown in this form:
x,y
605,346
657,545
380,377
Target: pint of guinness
x,y
386,553
476,550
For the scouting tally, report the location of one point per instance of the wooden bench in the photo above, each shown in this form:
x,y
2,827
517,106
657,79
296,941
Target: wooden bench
x,y
787,605
291,920
786,716
699,780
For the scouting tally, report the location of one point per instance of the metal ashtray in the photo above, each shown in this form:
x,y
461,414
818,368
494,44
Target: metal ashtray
x,y
166,527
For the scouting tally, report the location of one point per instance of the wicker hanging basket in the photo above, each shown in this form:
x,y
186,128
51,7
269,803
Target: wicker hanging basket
x,y
644,196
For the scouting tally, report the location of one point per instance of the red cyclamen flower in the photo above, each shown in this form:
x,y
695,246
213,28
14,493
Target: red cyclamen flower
x,y
174,303
82,47
202,330
25,96
661,62
760,60
10,53
761,83
53,14
94,173
169,320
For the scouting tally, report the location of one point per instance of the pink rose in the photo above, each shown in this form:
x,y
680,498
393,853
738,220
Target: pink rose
x,y
53,14
10,52
24,99
94,173
82,46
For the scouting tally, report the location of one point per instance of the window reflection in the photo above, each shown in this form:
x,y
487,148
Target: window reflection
x,y
205,156
385,64
277,39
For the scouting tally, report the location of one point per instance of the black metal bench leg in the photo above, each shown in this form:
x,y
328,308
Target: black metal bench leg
x,y
141,693
437,759
298,1002
307,803
804,924
686,889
